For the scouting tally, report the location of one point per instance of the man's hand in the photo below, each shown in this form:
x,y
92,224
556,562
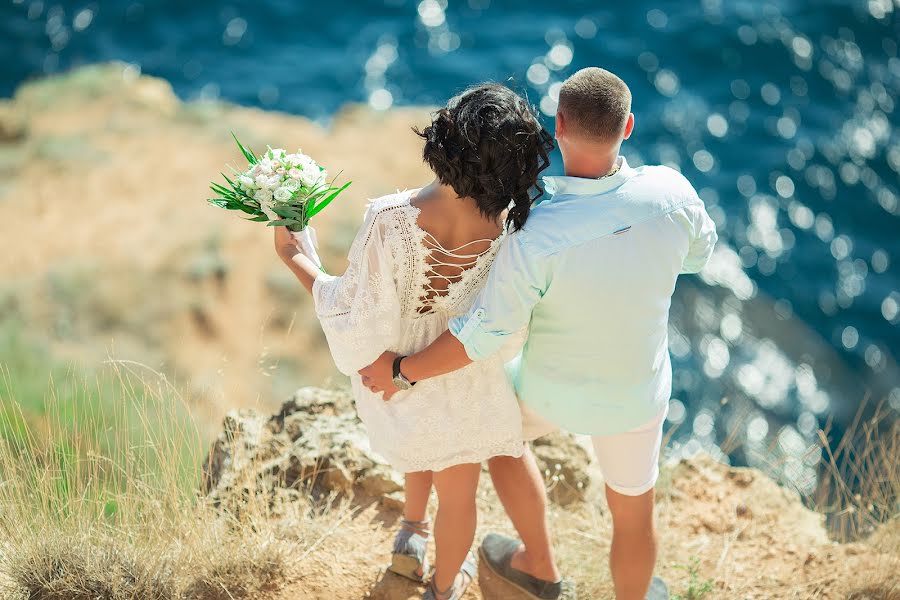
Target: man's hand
x,y
444,355
379,376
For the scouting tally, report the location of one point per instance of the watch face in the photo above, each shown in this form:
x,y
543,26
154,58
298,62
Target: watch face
x,y
401,383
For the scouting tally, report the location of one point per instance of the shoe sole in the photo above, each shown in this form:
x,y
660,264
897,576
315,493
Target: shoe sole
x,y
497,587
405,565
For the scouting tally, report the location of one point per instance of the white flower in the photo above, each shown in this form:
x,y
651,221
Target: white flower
x,y
278,154
265,166
280,171
311,176
291,184
295,173
246,182
264,197
283,194
268,182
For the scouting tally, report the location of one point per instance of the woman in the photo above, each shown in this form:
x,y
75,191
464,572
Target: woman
x,y
420,257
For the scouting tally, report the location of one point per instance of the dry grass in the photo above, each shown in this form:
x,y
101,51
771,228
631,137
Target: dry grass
x,y
102,506
99,504
860,489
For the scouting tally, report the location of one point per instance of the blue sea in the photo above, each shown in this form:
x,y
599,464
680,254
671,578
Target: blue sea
x,y
781,113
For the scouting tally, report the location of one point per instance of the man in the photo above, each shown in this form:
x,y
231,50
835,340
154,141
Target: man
x,y
591,276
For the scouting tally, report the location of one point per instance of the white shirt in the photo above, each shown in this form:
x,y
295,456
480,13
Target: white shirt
x,y
591,276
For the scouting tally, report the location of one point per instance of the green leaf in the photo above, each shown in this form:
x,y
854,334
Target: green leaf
x,y
219,186
280,222
248,154
233,185
248,209
259,219
313,199
318,208
286,211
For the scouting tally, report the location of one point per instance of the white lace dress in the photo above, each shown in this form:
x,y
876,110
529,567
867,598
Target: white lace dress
x,y
386,300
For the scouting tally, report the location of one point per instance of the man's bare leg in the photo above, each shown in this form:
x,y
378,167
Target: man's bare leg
x,y
520,488
633,553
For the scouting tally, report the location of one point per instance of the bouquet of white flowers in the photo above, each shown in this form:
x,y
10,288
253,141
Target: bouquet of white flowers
x,y
278,188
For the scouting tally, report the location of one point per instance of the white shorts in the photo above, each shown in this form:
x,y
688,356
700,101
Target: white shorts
x,y
629,461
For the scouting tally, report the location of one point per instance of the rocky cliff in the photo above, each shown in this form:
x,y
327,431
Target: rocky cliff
x,y
726,532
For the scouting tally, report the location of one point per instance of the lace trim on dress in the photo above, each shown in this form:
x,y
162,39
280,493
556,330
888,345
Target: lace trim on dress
x,y
423,255
419,259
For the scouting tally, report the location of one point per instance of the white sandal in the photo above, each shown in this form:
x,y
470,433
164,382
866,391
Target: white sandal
x,y
455,591
410,554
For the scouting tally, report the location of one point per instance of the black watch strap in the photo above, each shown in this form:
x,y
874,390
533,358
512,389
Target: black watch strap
x,y
397,372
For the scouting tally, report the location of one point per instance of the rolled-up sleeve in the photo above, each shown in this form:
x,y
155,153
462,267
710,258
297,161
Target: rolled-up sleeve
x,y
517,281
703,240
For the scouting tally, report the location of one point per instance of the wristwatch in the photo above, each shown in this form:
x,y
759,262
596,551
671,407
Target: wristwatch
x,y
401,382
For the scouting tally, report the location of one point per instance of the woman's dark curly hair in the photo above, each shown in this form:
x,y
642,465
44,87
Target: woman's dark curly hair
x,y
487,144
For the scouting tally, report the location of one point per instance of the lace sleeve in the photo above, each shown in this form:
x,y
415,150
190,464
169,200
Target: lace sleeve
x,y
360,310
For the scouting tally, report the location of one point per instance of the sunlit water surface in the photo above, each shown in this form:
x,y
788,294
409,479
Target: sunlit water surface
x,y
781,113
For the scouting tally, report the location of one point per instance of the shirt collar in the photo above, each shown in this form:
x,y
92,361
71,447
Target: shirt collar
x,y
581,186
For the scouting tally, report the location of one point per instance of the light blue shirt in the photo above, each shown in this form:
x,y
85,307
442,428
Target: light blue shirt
x,y
591,276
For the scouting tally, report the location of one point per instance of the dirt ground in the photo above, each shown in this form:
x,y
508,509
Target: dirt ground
x,y
733,532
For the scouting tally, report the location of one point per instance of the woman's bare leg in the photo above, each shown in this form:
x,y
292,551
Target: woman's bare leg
x,y
415,508
418,490
454,525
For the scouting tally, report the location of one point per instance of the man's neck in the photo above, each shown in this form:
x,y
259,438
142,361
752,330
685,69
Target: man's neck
x,y
590,162
593,169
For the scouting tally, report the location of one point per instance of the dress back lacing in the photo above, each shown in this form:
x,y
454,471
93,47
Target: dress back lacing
x,y
431,278
445,268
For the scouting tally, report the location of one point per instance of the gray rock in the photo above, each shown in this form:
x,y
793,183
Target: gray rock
x,y
12,124
564,464
316,445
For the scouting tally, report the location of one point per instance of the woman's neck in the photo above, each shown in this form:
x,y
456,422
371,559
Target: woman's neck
x,y
442,208
444,198
438,192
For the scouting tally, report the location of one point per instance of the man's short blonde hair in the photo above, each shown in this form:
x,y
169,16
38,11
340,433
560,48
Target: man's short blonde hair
x,y
595,103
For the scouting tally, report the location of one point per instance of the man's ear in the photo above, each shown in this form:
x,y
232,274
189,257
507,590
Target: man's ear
x,y
629,126
560,125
